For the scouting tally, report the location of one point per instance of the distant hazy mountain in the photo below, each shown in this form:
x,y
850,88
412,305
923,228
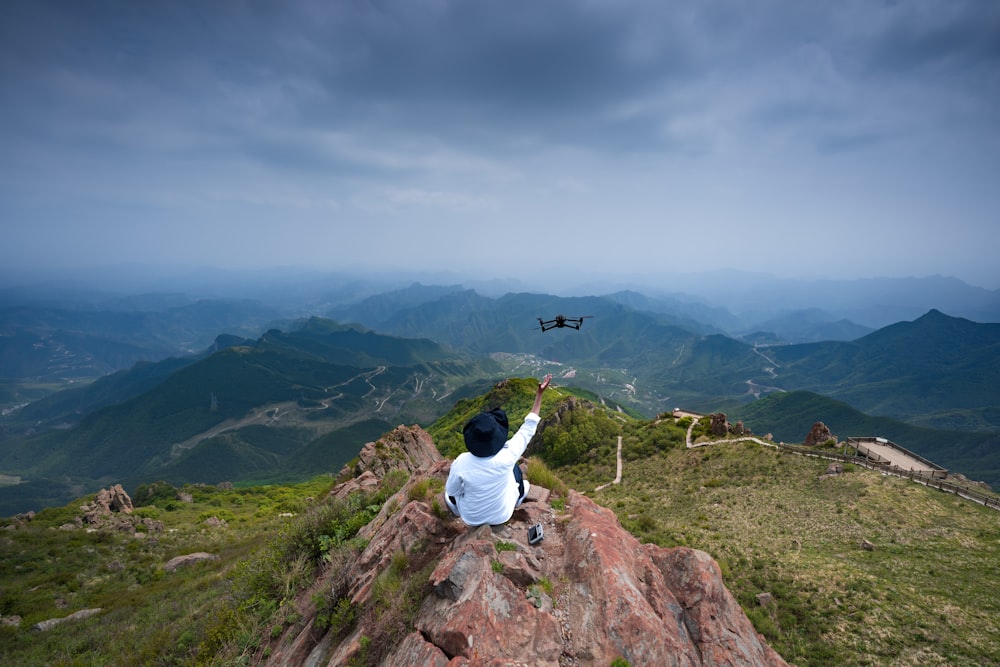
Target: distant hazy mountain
x,y
274,396
872,302
379,308
809,325
49,343
687,312
752,297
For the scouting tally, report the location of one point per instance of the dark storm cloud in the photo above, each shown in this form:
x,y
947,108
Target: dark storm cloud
x,y
491,71
364,120
603,74
938,39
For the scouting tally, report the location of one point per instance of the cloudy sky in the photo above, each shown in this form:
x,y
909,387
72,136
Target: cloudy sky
x,y
855,138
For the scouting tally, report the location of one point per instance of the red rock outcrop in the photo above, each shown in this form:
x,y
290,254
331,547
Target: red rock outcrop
x,y
819,434
587,594
407,448
112,500
720,425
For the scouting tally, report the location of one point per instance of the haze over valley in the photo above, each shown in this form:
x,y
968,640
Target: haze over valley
x,y
212,385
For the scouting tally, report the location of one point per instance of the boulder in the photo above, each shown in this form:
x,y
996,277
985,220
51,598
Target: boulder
x,y
42,626
833,470
151,525
719,426
22,519
415,650
366,481
107,502
187,559
818,435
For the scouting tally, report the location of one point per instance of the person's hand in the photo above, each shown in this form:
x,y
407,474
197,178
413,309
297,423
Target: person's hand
x,y
538,394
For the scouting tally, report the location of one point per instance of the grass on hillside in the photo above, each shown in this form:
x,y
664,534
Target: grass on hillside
x,y
149,616
927,594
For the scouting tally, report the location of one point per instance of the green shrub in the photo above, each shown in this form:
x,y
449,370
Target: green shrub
x,y
394,480
439,510
419,490
337,616
390,582
539,473
578,432
763,623
224,515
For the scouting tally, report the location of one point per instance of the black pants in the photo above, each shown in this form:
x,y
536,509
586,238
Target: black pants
x,y
520,481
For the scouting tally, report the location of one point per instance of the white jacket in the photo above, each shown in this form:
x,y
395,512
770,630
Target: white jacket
x,y
484,488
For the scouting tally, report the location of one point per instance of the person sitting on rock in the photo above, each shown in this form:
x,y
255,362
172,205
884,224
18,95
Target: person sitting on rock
x,y
485,484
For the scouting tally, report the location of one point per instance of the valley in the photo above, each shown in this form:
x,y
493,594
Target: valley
x,y
297,395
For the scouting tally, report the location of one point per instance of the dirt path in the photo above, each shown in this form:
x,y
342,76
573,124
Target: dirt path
x,y
768,369
263,415
618,475
692,445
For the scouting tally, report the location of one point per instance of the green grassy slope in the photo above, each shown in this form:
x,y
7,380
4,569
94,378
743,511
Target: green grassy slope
x,y
266,410
149,616
927,594
789,416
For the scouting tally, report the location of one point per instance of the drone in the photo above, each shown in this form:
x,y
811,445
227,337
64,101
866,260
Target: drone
x,y
562,321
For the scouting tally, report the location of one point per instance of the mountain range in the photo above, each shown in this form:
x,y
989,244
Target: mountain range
x,y
937,371
280,407
272,396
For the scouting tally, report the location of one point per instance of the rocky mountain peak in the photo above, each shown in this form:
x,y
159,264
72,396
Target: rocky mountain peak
x,y
587,594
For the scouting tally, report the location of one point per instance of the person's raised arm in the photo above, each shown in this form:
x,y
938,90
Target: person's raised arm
x,y
542,386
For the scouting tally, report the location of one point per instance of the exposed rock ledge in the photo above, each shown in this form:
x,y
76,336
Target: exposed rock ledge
x,y
587,594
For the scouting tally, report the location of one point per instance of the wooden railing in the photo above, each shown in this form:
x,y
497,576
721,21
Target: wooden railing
x,y
857,443
920,477
931,478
